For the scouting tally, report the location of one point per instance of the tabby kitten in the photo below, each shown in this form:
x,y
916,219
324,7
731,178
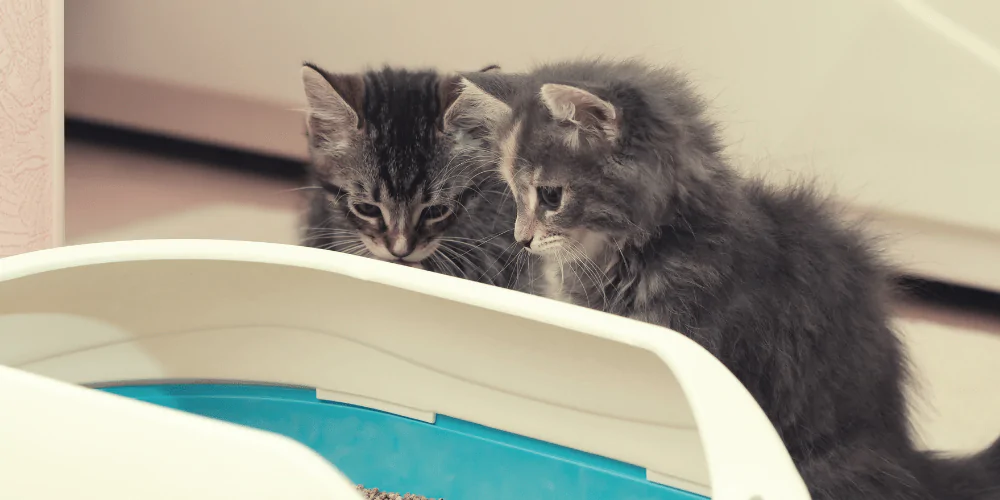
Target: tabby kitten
x,y
623,192
400,175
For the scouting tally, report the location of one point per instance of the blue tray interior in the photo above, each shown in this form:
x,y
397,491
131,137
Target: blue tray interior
x,y
451,459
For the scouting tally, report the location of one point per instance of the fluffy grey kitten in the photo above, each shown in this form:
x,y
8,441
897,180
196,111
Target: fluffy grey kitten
x,y
399,174
624,194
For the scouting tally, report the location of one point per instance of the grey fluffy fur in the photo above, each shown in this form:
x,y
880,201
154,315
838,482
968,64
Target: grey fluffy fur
x,y
402,154
769,280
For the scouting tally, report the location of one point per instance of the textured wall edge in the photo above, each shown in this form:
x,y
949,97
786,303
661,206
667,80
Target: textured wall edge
x,y
31,125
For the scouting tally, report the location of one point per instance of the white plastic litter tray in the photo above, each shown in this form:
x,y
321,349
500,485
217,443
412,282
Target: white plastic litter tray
x,y
403,379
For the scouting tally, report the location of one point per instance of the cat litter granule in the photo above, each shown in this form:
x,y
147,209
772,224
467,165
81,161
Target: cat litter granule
x,y
375,494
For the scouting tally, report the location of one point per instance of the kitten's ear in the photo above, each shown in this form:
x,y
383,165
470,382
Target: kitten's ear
x,y
449,89
587,112
334,104
473,107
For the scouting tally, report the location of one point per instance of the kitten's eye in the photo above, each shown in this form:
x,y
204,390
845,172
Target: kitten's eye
x,y
435,212
550,197
367,210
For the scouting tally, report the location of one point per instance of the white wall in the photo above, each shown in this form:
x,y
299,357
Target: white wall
x,y
892,103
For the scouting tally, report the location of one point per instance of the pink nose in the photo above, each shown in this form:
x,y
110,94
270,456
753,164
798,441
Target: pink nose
x,y
399,246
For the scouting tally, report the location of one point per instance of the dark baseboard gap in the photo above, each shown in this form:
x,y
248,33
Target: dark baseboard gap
x,y
958,297
213,154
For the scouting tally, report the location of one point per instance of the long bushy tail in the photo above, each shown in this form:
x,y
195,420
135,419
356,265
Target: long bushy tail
x,y
864,472
991,463
975,477
992,458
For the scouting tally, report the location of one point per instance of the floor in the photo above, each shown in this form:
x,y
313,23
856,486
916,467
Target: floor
x,y
114,194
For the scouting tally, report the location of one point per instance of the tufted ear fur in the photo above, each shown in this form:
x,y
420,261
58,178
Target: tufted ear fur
x,y
589,115
335,102
474,107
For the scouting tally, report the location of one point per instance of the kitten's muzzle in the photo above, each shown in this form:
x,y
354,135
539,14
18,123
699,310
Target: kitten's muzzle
x,y
527,243
399,245
399,254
